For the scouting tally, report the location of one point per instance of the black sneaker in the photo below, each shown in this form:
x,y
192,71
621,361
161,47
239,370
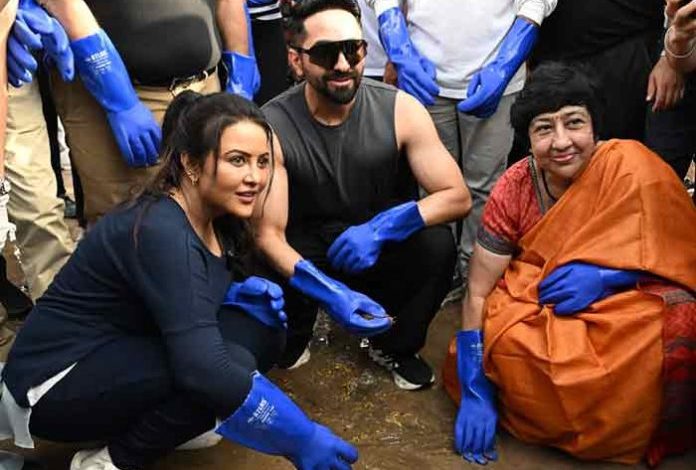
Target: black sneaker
x,y
410,371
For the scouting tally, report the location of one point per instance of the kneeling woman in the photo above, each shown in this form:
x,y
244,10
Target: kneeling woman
x,y
583,280
132,344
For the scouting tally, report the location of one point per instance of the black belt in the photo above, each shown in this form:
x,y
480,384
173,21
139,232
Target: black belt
x,y
173,83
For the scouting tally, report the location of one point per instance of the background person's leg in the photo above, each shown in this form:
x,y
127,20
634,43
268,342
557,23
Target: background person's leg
x,y
485,145
272,58
672,133
42,234
622,72
51,117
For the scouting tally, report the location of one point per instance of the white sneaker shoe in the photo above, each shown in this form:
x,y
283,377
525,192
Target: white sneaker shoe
x,y
10,461
302,360
93,459
204,441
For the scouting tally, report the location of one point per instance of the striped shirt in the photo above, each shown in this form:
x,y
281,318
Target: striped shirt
x,y
269,11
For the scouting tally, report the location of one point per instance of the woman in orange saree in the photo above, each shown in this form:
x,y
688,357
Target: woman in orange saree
x,y
583,282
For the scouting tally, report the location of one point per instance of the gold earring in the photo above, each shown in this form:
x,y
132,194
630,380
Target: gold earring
x,y
193,178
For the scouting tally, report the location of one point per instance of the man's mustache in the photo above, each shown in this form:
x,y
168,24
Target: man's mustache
x,y
340,75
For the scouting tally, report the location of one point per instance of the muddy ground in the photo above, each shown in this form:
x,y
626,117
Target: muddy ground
x,y
393,429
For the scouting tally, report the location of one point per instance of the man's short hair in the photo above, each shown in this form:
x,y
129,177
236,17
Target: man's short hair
x,y
297,14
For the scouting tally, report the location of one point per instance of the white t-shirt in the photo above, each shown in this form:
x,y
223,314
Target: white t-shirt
x,y
376,58
461,36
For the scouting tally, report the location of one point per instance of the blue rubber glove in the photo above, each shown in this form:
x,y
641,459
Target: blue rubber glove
x,y
260,298
243,77
356,312
270,422
35,30
474,430
415,73
489,83
575,286
104,75
358,248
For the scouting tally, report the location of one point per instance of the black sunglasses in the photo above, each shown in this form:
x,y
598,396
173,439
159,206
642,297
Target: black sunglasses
x,y
325,54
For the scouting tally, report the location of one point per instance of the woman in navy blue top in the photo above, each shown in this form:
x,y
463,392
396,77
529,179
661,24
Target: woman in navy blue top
x,y
143,339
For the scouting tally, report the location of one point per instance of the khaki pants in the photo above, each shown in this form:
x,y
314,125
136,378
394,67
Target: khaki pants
x,y
106,179
42,234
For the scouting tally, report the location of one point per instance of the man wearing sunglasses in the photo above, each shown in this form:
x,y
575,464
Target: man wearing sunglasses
x,y
341,217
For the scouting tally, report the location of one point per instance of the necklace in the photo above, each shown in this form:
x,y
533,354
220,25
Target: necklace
x,y
546,186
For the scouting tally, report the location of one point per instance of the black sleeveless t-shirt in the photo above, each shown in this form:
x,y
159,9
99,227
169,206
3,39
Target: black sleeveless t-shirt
x,y
341,175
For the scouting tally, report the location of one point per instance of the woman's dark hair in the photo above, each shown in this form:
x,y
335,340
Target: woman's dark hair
x,y
296,12
551,86
193,126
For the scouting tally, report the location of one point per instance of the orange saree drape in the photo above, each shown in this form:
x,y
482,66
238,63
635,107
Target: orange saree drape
x,y
590,384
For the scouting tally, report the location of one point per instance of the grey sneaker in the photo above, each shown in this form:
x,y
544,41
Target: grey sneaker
x,y
409,371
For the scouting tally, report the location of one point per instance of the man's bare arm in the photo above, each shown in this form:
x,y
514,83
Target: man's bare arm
x,y
74,15
232,23
432,165
271,218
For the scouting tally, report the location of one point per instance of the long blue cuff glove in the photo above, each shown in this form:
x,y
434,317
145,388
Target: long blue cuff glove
x,y
358,248
103,73
415,73
260,298
356,312
489,83
474,430
243,77
270,422
575,286
34,29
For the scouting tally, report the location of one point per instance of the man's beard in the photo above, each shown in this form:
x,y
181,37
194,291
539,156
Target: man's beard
x,y
338,95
